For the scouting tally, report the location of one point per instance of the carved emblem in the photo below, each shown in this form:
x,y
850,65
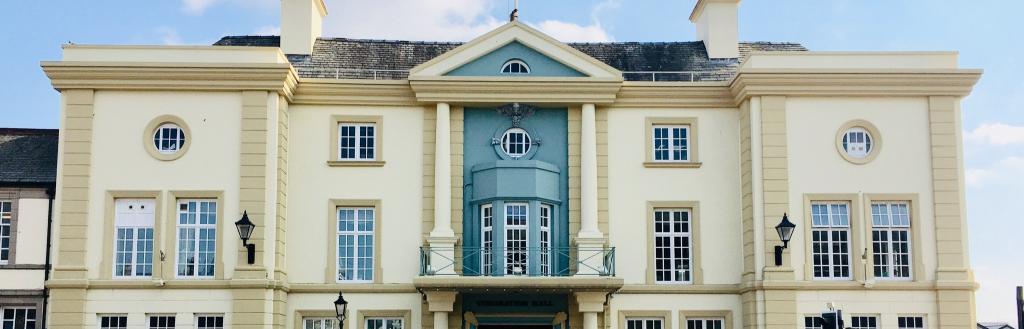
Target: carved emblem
x,y
517,112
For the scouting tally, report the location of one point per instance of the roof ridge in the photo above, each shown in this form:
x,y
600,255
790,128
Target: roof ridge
x,y
28,131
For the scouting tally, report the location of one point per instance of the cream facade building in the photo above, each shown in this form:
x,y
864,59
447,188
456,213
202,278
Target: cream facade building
x,y
513,181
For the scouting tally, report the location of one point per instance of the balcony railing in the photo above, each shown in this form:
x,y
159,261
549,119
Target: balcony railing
x,y
381,74
543,262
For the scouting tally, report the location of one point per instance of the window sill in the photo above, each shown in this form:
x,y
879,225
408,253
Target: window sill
x,y
360,163
652,164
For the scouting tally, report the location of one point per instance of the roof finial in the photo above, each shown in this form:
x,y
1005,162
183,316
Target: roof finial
x,y
514,16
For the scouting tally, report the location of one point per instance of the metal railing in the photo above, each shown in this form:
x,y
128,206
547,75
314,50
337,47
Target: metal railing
x,y
381,74
544,262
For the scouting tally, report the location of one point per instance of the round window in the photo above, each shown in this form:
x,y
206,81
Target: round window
x,y
168,138
516,142
857,142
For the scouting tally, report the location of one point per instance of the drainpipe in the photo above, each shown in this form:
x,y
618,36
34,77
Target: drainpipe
x,y
50,193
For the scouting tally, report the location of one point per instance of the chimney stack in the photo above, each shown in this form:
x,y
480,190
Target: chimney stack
x,y
717,25
301,24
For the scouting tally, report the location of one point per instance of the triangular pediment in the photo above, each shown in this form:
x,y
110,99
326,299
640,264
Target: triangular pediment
x,y
485,55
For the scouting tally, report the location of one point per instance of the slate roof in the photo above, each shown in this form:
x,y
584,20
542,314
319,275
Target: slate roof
x,y
993,325
391,59
28,156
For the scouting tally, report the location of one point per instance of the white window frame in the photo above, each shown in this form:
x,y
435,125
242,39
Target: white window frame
x,y
359,139
223,320
357,236
863,145
325,322
856,322
385,321
678,275
151,317
887,222
507,144
6,230
100,317
545,218
924,321
826,223
171,133
510,244
644,322
133,216
487,239
14,320
703,323
685,149
523,67
197,227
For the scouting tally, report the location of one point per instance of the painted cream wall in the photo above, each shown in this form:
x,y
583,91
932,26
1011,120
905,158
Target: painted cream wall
x,y
715,185
674,303
887,305
138,303
359,301
312,184
903,166
31,246
210,163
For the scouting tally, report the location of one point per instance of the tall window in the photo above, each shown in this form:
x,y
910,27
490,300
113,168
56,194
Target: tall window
x,y
671,143
813,322
210,321
672,253
645,323
487,235
355,244
515,66
384,323
319,323
19,318
910,322
830,240
713,323
113,322
5,231
864,322
890,239
133,237
545,239
357,141
197,238
516,219
516,142
161,322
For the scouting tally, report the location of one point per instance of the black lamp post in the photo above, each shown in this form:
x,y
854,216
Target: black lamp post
x,y
785,230
340,307
245,228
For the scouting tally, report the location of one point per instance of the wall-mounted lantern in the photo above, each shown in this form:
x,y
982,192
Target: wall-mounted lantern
x,y
785,230
341,307
245,228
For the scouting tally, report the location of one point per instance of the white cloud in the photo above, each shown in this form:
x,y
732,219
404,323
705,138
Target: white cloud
x,y
997,134
567,32
1007,168
442,20
996,295
268,30
196,7
169,36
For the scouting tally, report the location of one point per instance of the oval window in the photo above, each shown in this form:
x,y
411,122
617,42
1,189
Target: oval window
x,y
168,138
857,142
516,142
515,66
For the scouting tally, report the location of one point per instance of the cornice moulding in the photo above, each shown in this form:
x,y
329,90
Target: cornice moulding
x,y
853,82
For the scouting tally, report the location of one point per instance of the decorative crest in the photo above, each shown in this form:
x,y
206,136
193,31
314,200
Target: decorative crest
x,y
517,112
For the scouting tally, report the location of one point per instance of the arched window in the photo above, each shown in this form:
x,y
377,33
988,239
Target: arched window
x,y
516,142
515,66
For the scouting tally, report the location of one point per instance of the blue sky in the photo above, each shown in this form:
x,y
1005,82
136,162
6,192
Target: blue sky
x,y
981,30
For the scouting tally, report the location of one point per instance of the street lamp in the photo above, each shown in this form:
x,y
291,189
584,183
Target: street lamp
x,y
785,230
245,228
340,307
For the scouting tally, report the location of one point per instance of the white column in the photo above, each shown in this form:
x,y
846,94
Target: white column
x,y
589,320
442,239
441,320
588,173
590,304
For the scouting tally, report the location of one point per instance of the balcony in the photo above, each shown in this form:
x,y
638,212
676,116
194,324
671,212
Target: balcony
x,y
517,262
